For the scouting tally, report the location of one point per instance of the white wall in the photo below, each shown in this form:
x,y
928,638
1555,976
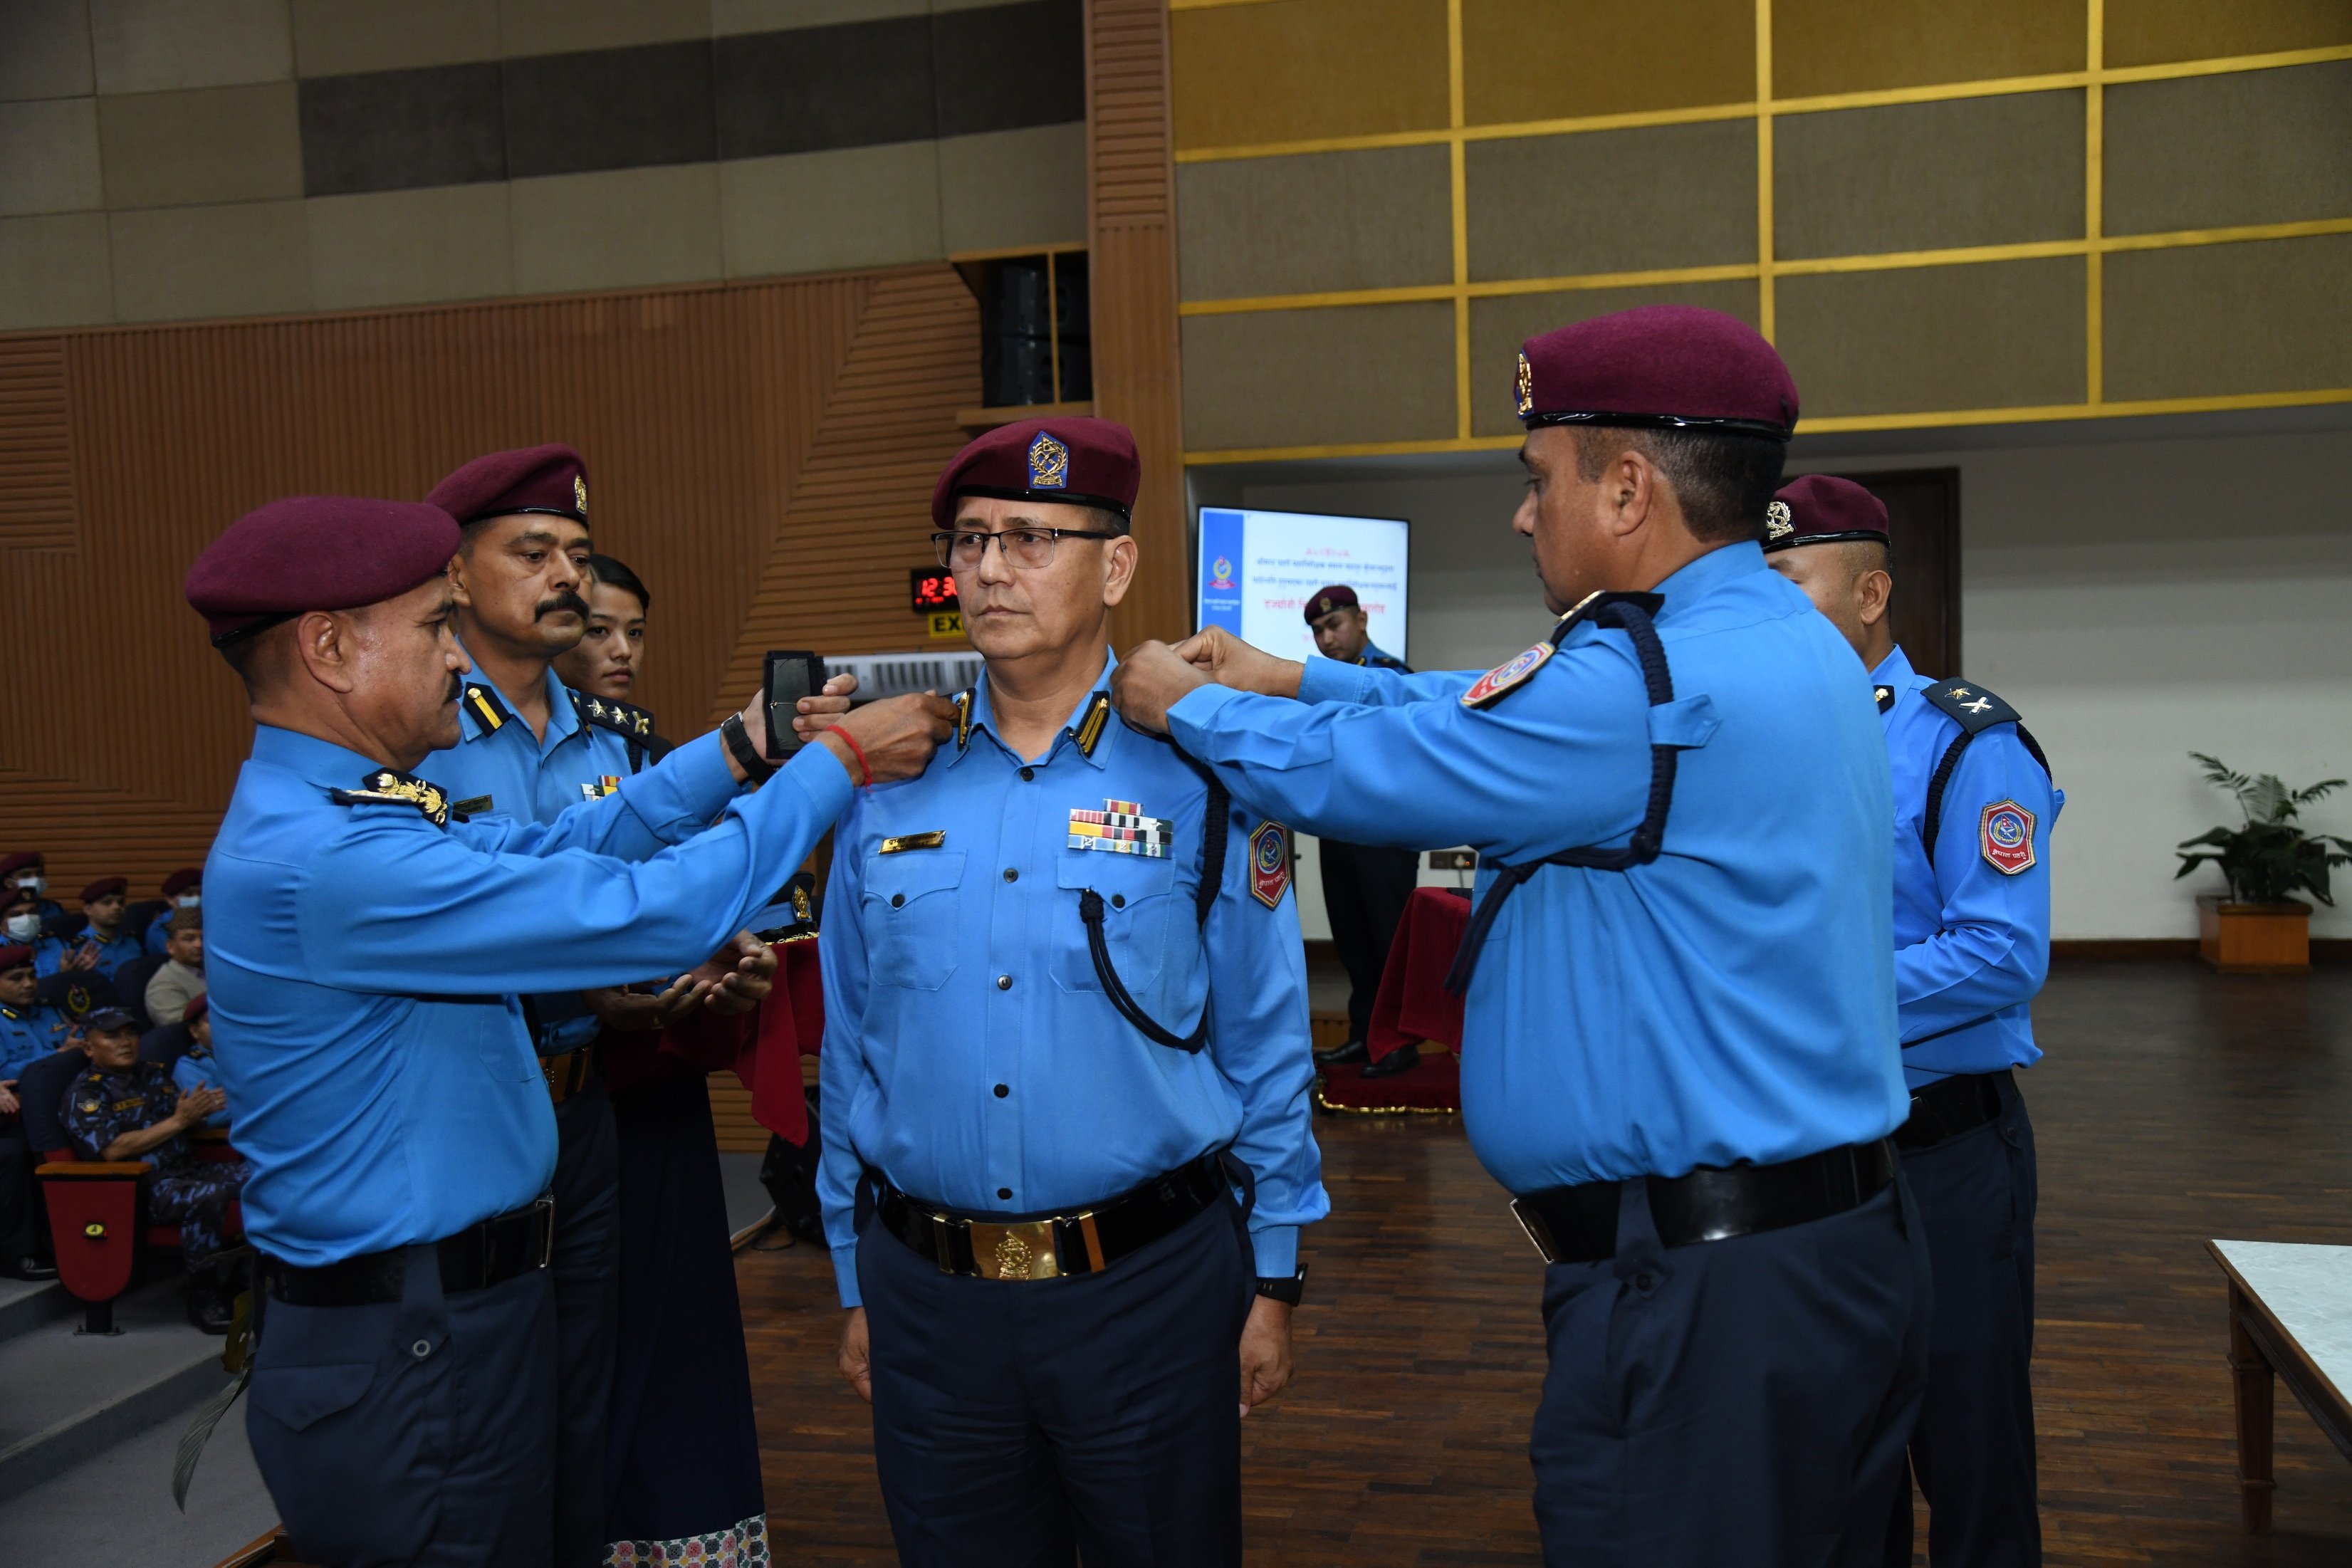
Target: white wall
x,y
2136,591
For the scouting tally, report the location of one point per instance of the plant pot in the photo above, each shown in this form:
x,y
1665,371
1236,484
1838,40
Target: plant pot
x,y
2253,939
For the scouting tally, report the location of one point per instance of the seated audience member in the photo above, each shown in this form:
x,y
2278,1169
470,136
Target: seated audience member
x,y
195,1068
20,916
183,889
182,979
120,1107
27,1033
26,869
607,658
70,998
102,946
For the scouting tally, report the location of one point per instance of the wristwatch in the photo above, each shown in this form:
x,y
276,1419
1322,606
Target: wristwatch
x,y
1287,1290
739,742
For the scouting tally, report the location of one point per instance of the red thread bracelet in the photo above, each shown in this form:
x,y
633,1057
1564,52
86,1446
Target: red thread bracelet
x,y
862,765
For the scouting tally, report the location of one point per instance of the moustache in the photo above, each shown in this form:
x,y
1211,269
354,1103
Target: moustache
x,y
456,687
566,600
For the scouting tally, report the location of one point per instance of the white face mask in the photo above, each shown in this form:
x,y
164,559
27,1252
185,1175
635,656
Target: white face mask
x,y
34,884
23,928
190,900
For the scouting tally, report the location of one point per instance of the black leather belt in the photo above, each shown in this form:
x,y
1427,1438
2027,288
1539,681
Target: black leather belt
x,y
1949,1106
477,1256
1047,1246
1713,1203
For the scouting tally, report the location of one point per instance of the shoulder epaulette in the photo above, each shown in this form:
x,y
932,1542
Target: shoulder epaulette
x,y
621,718
963,716
1973,706
1090,733
482,700
385,787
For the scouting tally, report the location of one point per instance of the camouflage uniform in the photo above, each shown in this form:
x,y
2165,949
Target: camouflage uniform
x,y
191,1193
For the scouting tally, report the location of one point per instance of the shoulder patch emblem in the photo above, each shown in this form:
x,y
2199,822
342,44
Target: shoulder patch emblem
x,y
2005,833
1507,676
1269,863
385,787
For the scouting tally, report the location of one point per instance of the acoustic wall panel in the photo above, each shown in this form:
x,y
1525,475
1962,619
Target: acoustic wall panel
x,y
1373,219
1322,377
2219,320
2157,32
2215,152
1861,46
2002,334
1291,69
1612,201
1531,59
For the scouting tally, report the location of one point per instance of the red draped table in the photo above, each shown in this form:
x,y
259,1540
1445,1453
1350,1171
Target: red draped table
x,y
1414,1008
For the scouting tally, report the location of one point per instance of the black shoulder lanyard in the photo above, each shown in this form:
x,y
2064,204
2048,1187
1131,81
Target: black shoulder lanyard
x,y
1631,612
1212,880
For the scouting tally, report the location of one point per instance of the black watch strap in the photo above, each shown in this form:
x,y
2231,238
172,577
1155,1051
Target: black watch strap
x,y
739,744
1289,1291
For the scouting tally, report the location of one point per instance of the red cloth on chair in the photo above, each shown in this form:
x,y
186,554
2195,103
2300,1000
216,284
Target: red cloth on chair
x,y
1413,1005
762,1047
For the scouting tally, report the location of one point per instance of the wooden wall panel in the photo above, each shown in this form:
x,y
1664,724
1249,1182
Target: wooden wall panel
x,y
1131,210
761,454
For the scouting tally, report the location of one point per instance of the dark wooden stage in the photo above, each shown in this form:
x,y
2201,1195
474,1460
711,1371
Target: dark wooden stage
x,y
2174,1106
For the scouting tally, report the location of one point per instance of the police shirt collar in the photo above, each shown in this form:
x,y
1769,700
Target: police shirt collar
x,y
1698,578
1895,671
483,708
1077,721
322,763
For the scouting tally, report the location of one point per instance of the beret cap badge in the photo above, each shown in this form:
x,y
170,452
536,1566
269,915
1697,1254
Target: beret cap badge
x,y
1049,463
1527,388
1777,522
580,492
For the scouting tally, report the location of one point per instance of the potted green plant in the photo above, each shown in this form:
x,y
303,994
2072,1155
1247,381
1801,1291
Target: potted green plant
x,y
2258,927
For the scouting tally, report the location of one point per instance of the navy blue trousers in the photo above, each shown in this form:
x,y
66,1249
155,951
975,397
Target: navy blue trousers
x,y
411,1432
1022,1425
1972,1454
1734,1402
587,1268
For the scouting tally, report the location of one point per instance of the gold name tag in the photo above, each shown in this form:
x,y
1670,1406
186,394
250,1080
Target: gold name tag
x,y
474,805
904,842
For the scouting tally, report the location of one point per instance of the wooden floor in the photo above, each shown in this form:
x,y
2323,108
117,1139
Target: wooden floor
x,y
2173,1106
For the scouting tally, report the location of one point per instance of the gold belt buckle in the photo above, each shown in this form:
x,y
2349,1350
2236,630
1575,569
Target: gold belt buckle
x,y
1019,1251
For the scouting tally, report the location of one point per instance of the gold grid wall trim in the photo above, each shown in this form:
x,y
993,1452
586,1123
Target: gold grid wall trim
x,y
1363,232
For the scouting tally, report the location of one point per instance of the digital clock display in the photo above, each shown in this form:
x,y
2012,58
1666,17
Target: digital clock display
x,y
934,589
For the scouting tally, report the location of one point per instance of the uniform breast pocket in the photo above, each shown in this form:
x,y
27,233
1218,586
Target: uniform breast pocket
x,y
911,906
1138,895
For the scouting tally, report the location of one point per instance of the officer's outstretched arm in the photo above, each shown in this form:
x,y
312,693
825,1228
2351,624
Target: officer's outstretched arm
x,y
1367,686
399,906
1993,948
1259,1038
1562,761
842,1077
667,804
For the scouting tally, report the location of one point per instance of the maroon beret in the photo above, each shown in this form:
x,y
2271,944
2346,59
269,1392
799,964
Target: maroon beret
x,y
23,860
553,479
15,956
182,881
1338,597
315,552
1821,510
103,886
1075,461
1666,366
198,1006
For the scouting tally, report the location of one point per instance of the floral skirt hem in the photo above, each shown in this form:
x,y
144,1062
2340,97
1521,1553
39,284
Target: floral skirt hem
x,y
743,1545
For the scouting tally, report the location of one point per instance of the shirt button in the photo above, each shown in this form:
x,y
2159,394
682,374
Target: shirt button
x,y
1012,874
898,900
1002,1091
1004,1192
1119,900
1004,982
1028,774
422,1348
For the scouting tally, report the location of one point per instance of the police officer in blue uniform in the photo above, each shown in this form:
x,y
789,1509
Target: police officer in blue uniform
x,y
28,1032
28,870
1066,1020
120,1107
529,747
101,946
183,889
1678,1047
364,965
1365,885
1973,809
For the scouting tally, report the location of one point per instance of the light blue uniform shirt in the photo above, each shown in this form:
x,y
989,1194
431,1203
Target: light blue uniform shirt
x,y
191,1072
920,1034
1733,999
1972,941
525,778
50,956
361,962
27,1034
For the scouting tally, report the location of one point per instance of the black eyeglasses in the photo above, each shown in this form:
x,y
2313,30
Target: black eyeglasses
x,y
1024,549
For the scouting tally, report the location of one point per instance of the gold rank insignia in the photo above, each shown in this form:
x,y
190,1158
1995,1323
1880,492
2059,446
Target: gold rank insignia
x,y
1779,524
385,787
906,841
1049,463
580,492
1527,388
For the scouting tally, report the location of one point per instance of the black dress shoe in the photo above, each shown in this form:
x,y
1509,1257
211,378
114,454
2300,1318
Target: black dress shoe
x,y
1401,1060
30,1269
209,1309
1340,1056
